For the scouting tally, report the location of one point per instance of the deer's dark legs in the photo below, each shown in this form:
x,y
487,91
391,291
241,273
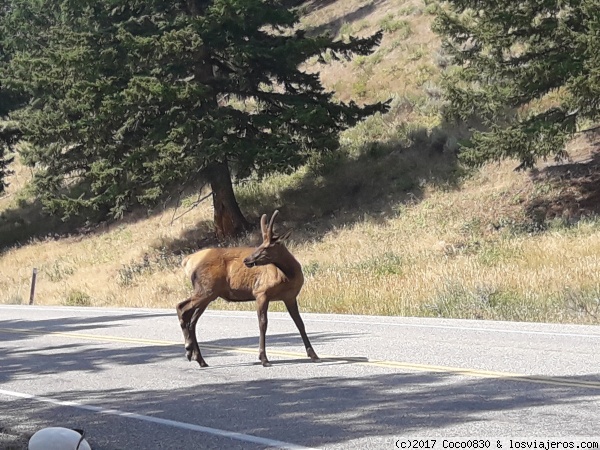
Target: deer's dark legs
x,y
184,314
262,305
195,354
292,307
189,311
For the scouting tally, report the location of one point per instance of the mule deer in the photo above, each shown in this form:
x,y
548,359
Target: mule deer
x,y
266,273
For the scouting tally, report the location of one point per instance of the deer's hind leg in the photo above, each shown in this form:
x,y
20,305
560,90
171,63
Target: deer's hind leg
x,y
189,311
184,313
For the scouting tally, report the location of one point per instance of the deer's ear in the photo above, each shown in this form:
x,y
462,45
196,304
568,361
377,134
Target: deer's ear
x,y
285,235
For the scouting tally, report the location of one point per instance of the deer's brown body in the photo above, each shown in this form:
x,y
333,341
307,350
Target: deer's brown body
x,y
266,273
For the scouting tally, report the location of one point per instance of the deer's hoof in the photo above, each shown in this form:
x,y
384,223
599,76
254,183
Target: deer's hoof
x,y
202,363
312,355
266,363
189,351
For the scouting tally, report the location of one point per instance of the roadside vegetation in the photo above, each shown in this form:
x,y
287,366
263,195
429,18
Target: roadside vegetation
x,y
394,224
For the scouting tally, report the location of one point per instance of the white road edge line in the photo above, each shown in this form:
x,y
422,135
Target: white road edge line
x,y
167,422
308,319
415,325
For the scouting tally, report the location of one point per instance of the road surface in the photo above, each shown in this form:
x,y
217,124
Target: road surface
x,y
121,375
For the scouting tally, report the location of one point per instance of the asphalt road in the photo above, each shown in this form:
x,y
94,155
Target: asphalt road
x,y
121,375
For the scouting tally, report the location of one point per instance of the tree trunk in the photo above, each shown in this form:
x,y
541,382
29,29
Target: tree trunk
x,y
229,220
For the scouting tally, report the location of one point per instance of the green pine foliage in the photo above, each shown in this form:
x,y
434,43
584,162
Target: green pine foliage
x,y
526,75
9,100
9,136
131,99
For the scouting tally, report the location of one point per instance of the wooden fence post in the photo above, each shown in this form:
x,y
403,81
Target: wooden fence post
x,y
32,292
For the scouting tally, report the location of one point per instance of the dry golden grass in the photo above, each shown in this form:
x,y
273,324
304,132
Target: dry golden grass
x,y
92,265
404,63
392,229
440,258
448,254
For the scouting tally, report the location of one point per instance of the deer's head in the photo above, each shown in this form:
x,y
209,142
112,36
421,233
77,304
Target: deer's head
x,y
271,249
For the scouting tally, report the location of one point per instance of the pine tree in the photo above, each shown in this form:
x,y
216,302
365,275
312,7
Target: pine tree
x,y
527,74
134,98
9,131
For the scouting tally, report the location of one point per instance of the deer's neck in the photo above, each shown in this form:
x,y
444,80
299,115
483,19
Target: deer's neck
x,y
289,266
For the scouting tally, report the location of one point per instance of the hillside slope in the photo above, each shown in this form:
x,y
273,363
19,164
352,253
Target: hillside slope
x,y
392,226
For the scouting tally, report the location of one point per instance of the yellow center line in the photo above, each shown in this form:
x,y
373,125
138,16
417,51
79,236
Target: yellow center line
x,y
556,381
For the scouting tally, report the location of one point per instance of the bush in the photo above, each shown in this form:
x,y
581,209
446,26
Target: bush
x,y
77,298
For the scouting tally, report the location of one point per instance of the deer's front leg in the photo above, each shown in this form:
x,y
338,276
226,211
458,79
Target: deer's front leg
x,y
262,305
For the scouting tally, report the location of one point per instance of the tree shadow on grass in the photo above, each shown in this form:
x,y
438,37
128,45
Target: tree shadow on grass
x,y
335,192
308,6
576,190
340,191
371,186
28,220
334,26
